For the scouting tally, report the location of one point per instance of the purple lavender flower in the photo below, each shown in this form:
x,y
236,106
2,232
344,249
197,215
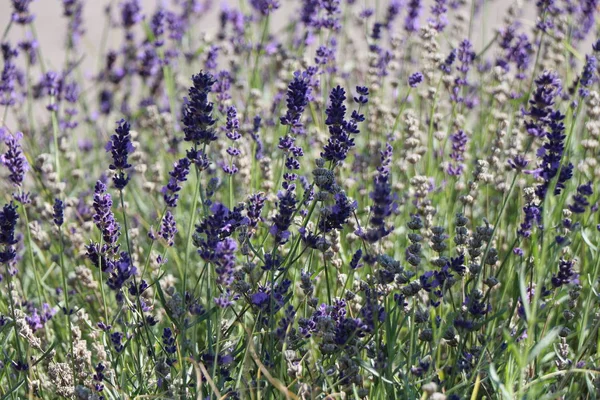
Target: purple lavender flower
x,y
355,262
14,159
459,144
9,77
384,201
30,48
586,20
518,163
8,223
548,87
340,142
551,154
122,271
224,259
211,57
533,218
256,123
231,131
168,340
566,273
415,79
466,56
21,14
297,100
336,216
438,12
446,66
120,147
181,169
36,319
131,13
104,218
265,7
214,228
286,205
157,26
588,76
580,201
116,338
393,10
363,95
168,228
256,203
221,89
331,20
197,111
73,10
411,22
59,212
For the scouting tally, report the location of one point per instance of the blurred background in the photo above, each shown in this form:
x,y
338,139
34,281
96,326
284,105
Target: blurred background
x,y
51,25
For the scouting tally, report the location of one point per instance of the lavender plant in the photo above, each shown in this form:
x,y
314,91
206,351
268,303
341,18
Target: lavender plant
x,y
307,200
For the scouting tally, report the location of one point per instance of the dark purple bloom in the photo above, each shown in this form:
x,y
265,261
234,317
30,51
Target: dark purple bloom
x,y
120,146
168,340
459,144
588,76
8,222
122,271
256,203
59,212
446,66
355,262
297,100
215,228
363,95
116,338
415,79
286,205
131,13
197,111
14,159
168,228
104,218
533,218
548,87
384,201
336,216
518,163
580,201
551,154
566,273
339,142
331,20
21,14
224,259
181,169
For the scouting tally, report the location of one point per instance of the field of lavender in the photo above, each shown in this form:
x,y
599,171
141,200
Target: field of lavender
x,y
316,199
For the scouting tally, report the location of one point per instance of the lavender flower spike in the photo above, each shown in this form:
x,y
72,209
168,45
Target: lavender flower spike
x,y
120,146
